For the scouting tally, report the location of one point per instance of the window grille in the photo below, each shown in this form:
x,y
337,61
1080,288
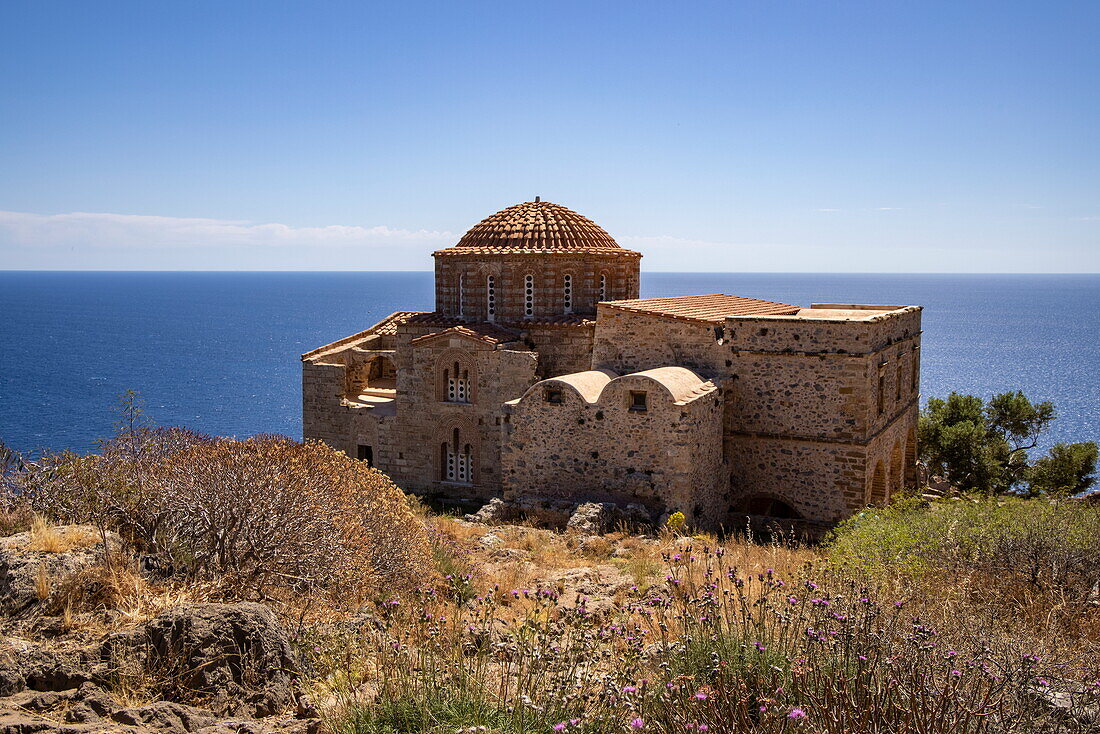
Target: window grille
x,y
458,462
603,287
568,295
529,295
491,297
461,293
458,385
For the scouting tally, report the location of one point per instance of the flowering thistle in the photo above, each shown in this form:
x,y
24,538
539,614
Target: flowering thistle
x,y
796,714
637,723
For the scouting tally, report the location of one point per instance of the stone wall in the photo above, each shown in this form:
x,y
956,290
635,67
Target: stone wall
x,y
667,457
425,420
561,349
820,481
817,412
322,391
631,342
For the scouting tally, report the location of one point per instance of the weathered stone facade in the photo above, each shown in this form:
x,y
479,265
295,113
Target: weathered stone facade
x,y
519,385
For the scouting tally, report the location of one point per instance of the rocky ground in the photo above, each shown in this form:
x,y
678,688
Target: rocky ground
x,y
192,667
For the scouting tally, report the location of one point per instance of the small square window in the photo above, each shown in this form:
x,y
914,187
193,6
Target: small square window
x,y
553,395
638,401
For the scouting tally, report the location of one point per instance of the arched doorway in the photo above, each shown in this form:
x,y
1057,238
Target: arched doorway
x,y
770,507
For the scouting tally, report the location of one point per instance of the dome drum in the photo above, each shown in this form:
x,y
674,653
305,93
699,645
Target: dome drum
x,y
533,260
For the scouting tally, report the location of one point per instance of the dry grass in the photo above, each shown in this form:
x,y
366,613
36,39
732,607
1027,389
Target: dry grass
x,y
47,538
81,598
42,582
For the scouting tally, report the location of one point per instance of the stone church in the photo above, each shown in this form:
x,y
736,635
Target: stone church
x,y
542,376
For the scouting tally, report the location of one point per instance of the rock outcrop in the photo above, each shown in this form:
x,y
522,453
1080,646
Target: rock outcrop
x,y
233,658
208,668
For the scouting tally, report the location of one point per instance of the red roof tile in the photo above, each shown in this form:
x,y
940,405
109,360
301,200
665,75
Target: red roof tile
x,y
386,326
483,332
537,227
711,308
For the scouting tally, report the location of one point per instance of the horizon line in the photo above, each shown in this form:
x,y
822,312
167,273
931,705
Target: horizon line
x,y
644,272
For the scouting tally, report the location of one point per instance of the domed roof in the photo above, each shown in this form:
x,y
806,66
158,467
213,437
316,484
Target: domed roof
x,y
536,227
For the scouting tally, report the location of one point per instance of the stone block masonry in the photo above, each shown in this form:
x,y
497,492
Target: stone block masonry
x,y
542,377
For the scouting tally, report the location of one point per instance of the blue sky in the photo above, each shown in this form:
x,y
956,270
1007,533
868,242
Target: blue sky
x,y
736,136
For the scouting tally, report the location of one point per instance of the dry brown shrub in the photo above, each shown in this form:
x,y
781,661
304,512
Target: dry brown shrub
x,y
268,512
15,517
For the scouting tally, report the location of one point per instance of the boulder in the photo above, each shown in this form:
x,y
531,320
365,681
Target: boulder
x,y
164,716
1068,701
595,518
494,512
233,659
31,569
30,665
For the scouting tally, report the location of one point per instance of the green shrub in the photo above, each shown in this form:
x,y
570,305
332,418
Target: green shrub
x,y
1047,545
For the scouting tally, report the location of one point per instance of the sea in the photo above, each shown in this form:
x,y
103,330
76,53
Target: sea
x,y
219,352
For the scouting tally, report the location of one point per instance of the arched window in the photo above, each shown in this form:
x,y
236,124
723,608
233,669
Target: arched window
x,y
461,293
491,298
456,460
528,295
567,295
457,381
603,287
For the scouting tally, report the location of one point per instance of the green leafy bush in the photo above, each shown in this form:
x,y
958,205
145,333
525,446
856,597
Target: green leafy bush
x,y
1049,546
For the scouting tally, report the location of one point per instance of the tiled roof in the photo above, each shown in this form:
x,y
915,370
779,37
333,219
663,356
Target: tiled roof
x,y
386,326
487,332
714,307
389,324
607,252
536,227
480,332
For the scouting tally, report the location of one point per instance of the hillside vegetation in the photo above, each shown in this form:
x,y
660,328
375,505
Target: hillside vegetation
x,y
972,614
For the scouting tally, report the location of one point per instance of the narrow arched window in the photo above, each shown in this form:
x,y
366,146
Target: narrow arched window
x,y
528,295
603,287
567,294
461,293
465,464
491,297
457,460
458,384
